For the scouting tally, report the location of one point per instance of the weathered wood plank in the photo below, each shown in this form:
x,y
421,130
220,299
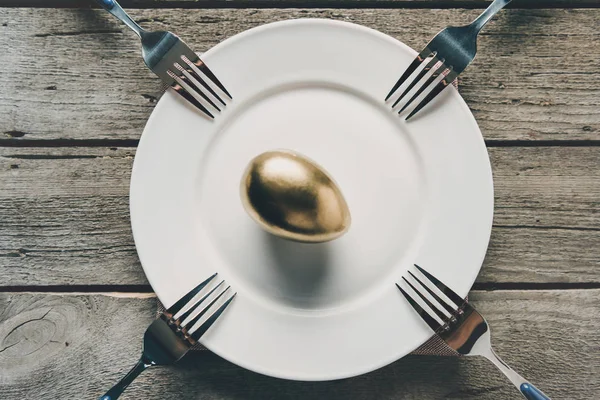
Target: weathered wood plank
x,y
76,346
65,216
77,74
302,3
547,187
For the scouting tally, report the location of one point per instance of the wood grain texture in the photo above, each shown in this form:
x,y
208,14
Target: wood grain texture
x,y
77,74
65,216
303,3
76,346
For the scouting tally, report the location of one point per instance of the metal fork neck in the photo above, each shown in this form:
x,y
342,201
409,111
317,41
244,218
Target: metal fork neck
x,y
115,9
484,18
120,387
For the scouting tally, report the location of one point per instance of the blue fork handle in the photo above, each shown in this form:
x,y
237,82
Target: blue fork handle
x,y
107,4
532,393
528,391
115,9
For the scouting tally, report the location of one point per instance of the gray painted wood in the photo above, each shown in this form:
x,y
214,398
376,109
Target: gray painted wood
x,y
65,216
77,74
304,3
71,346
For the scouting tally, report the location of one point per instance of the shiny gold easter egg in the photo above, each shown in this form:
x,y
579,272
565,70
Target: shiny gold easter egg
x,y
292,197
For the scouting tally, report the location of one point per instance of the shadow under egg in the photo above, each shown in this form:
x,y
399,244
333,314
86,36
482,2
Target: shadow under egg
x,y
301,269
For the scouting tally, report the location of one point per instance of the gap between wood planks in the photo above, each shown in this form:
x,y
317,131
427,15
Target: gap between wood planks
x,y
195,4
134,143
147,289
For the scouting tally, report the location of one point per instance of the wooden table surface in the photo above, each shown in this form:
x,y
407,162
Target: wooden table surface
x,y
74,97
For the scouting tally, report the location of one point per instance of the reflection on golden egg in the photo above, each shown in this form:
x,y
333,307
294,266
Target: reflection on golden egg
x,y
292,197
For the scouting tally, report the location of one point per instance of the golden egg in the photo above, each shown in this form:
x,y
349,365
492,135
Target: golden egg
x,y
291,196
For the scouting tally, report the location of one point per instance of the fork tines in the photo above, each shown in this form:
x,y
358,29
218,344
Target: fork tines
x,y
444,310
188,81
409,71
432,65
186,313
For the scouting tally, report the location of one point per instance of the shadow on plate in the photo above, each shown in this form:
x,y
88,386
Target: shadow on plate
x,y
301,269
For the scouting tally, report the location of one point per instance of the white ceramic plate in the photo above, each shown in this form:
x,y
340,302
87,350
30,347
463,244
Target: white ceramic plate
x,y
418,192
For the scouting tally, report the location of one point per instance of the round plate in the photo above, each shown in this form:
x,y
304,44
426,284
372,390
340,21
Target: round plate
x,y
418,192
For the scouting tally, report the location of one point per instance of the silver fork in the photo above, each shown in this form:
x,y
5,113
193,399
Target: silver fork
x,y
462,327
171,336
448,54
174,62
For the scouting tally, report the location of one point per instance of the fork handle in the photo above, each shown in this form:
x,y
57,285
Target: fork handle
x,y
120,387
528,391
115,9
532,393
489,12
